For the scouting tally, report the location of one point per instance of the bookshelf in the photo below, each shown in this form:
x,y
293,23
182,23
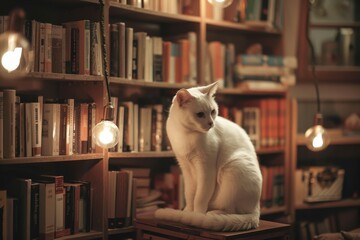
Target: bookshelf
x,y
94,167
343,153
325,33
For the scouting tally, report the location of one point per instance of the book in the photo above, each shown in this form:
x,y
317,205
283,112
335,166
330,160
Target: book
x,y
92,123
9,99
20,188
72,201
35,125
145,129
95,54
85,205
120,124
63,127
71,128
157,59
47,210
3,219
270,60
1,125
12,214
59,211
114,50
57,57
140,42
51,129
80,52
112,180
121,49
48,47
121,198
84,126
129,35
35,211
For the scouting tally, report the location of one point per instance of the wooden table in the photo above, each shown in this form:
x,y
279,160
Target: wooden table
x,y
160,230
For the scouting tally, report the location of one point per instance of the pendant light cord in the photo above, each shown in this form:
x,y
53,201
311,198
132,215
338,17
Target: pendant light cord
x,y
103,48
313,57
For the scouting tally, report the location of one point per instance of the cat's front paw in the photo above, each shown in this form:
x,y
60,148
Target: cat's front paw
x,y
189,208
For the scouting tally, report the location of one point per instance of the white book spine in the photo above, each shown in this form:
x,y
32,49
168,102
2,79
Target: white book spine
x,y
35,129
70,135
47,211
51,130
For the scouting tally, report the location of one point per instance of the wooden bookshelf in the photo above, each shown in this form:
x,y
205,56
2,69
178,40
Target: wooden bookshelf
x,y
94,167
333,204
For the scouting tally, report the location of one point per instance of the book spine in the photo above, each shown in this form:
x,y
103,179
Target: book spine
x,y
63,130
129,51
57,48
3,210
114,50
48,48
1,125
91,125
36,132
84,121
86,47
122,58
47,211
71,128
35,211
9,101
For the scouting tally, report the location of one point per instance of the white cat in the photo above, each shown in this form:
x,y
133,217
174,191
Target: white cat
x,y
221,172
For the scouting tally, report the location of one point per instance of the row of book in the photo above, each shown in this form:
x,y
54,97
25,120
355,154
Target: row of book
x,y
44,207
136,193
223,64
170,6
273,190
137,55
142,126
262,119
72,47
34,126
343,220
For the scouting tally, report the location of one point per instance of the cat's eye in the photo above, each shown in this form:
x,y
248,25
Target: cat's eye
x,y
213,112
200,114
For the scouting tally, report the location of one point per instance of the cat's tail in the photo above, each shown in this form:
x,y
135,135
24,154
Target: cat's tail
x,y
210,221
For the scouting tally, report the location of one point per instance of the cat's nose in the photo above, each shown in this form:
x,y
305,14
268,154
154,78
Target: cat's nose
x,y
211,124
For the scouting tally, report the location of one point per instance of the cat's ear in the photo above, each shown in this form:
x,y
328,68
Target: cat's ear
x,y
183,97
210,89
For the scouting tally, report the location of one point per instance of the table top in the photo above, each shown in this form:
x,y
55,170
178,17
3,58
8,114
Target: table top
x,y
266,229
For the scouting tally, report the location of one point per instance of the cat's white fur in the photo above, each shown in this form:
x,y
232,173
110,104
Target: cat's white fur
x,y
221,172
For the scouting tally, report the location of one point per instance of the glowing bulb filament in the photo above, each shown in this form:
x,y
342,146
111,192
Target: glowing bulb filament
x,y
106,136
11,59
318,141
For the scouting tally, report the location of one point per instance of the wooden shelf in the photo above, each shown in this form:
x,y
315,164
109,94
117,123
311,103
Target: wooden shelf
x,y
135,13
333,204
115,231
164,154
64,77
226,26
142,83
83,236
272,210
239,91
51,159
335,25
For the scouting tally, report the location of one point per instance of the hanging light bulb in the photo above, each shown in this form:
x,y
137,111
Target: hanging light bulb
x,y
220,3
317,138
15,53
106,134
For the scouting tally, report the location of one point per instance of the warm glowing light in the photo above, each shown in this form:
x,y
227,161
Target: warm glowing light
x,y
316,138
15,55
11,59
106,134
317,141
